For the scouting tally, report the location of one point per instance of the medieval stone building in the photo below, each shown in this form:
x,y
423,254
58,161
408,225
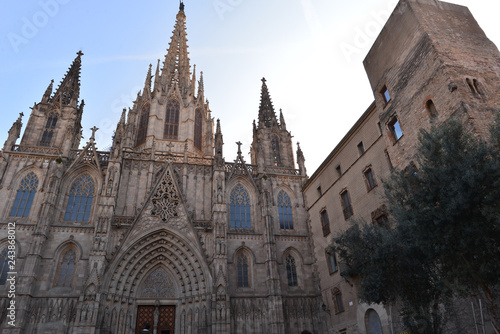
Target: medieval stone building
x,y
431,62
159,231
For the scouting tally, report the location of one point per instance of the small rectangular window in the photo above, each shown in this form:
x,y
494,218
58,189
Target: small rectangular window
x,y
337,300
361,148
339,171
346,204
370,179
325,222
385,94
395,129
331,260
379,128
319,191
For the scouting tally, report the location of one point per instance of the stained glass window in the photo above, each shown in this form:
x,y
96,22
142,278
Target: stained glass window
x,y
172,120
49,130
242,271
24,197
198,127
66,268
285,211
80,200
240,208
275,143
4,267
291,271
143,124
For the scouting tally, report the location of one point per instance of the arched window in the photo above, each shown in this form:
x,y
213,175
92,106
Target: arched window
x,y
275,145
198,127
171,120
24,197
49,130
143,124
243,271
4,266
431,108
285,211
66,268
291,271
240,208
80,199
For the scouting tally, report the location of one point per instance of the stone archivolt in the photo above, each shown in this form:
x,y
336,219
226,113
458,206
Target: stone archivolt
x,y
158,248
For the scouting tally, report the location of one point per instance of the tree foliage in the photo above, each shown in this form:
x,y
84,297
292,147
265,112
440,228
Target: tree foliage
x,y
443,238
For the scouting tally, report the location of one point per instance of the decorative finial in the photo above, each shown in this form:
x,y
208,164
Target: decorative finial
x,y
94,129
239,147
181,6
79,53
170,146
263,80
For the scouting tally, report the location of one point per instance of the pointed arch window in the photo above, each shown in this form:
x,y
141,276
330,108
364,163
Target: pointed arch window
x,y
66,268
291,271
25,195
143,124
275,146
80,199
48,132
172,120
243,271
240,208
4,266
198,127
285,211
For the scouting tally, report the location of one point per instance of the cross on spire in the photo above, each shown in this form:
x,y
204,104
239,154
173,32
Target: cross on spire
x,y
94,129
80,53
239,147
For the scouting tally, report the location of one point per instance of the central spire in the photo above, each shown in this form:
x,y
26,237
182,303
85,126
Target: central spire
x,y
176,68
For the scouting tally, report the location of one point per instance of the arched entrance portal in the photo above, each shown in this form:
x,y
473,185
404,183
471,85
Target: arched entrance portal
x,y
372,322
160,279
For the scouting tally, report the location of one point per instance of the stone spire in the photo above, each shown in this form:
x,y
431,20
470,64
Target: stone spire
x,y
301,161
157,77
147,83
267,116
176,65
48,92
219,159
69,88
282,120
14,133
201,88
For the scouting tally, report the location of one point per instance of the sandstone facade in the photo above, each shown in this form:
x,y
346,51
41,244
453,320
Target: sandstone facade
x,y
159,230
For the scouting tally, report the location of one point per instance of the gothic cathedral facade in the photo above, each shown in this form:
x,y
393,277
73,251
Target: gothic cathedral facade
x,y
159,233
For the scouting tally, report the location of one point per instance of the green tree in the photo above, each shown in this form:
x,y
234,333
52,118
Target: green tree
x,y
444,233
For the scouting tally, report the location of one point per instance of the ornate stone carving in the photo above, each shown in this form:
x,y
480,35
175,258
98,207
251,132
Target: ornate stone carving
x,y
166,199
158,285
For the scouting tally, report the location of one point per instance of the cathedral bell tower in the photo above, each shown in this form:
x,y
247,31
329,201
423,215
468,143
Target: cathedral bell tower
x,y
55,122
170,115
272,143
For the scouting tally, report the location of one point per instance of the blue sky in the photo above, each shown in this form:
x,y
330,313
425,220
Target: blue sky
x,y
298,45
